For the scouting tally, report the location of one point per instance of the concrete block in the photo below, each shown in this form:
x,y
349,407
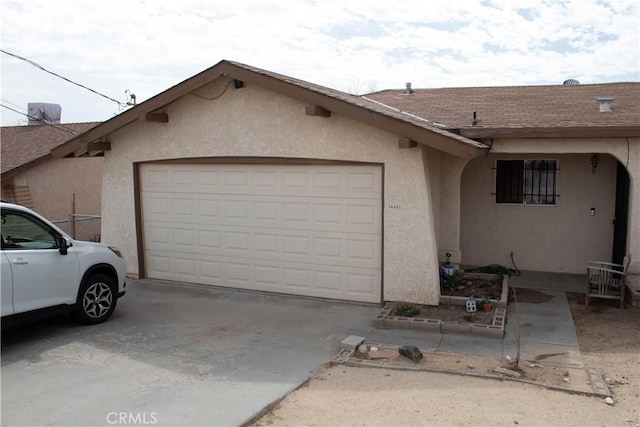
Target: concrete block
x,y
351,342
396,322
499,317
423,324
378,321
449,327
504,298
507,372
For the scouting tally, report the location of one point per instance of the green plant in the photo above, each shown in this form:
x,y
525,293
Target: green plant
x,y
407,310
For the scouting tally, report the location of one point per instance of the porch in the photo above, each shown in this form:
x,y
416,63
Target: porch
x,y
566,282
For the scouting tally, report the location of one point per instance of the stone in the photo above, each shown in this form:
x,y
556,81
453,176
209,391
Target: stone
x,y
382,354
507,372
362,351
411,352
351,342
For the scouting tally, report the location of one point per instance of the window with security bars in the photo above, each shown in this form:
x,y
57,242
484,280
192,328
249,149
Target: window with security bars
x,y
531,182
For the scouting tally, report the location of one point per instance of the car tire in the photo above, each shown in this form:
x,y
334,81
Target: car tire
x,y
96,300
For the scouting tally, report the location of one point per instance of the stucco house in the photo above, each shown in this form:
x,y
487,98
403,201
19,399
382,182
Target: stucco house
x,y
33,178
245,178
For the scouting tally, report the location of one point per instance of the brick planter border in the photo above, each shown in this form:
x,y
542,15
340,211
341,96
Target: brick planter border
x,y
387,320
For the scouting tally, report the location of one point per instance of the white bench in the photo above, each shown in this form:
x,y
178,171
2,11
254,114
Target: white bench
x,y
607,280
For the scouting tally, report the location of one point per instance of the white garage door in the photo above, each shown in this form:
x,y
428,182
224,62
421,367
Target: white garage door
x,y
310,230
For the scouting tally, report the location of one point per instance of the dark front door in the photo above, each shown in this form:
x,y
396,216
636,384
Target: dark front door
x,y
620,220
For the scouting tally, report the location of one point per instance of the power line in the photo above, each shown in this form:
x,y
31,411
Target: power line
x,y
57,126
9,102
35,64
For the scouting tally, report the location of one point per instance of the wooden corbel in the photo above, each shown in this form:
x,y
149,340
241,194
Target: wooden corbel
x,y
407,143
157,117
316,110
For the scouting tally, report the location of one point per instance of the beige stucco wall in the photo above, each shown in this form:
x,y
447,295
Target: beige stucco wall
x,y
53,183
569,235
253,122
560,238
445,173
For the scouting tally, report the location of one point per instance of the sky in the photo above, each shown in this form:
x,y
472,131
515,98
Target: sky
x,y
118,47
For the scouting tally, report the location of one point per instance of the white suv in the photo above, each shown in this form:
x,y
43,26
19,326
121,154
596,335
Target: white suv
x,y
44,271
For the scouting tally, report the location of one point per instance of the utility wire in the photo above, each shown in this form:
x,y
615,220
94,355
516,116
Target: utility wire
x,y
57,126
9,102
120,104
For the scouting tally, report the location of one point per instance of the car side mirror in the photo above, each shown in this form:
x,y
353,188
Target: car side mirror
x,y
63,245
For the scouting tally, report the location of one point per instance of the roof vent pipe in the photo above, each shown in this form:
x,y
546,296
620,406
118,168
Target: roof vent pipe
x,y
605,104
571,82
409,90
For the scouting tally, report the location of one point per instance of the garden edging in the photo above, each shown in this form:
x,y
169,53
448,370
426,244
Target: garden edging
x,y
387,320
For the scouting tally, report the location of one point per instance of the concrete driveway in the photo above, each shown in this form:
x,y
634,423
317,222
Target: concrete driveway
x,y
172,355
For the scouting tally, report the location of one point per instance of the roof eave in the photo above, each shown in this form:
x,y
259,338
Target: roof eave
x,y
439,139
553,132
25,167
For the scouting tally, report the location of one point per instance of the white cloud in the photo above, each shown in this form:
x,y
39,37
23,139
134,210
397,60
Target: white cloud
x,y
149,46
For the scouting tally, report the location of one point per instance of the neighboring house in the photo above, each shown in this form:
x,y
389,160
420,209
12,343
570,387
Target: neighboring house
x,y
245,178
33,178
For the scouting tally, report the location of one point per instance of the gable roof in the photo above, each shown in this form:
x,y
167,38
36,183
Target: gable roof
x,y
352,106
24,147
525,111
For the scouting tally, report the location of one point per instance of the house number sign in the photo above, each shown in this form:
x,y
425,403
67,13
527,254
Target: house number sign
x,y
394,206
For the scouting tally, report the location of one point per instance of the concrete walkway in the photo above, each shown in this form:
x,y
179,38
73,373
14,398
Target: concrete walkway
x,y
183,355
547,331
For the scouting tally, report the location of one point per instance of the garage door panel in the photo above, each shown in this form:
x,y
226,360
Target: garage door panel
x,y
337,248
237,241
360,284
184,237
209,239
212,271
296,280
239,273
267,277
186,267
304,230
211,208
275,276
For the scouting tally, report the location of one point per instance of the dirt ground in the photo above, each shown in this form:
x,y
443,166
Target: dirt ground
x,y
456,313
609,340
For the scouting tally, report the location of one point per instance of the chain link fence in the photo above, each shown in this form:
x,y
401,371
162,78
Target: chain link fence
x,y
81,227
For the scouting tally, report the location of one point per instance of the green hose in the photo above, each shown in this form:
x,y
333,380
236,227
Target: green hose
x,y
496,269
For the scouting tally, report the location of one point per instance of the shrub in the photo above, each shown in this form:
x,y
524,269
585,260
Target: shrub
x,y
407,310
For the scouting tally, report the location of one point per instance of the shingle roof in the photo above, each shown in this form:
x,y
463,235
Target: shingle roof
x,y
521,107
352,106
25,145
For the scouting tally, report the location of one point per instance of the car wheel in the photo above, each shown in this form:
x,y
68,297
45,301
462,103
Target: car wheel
x,y
96,300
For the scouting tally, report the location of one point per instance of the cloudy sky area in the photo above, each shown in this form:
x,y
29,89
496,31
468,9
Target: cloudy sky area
x,y
147,46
